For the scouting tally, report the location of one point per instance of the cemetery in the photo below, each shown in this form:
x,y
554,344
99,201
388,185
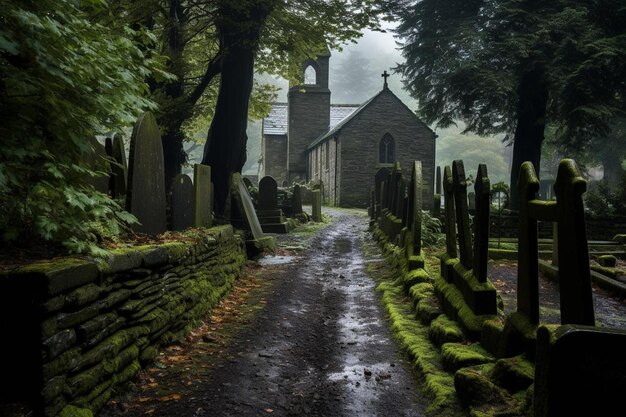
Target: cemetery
x,y
325,209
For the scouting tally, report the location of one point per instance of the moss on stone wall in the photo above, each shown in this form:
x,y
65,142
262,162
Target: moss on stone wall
x,y
98,320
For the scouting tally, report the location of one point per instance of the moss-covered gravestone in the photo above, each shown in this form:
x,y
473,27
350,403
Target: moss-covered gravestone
x,y
462,213
203,201
267,193
145,197
181,203
381,175
482,197
243,212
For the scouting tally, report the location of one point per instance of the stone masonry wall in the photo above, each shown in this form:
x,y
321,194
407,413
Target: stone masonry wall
x,y
275,157
320,170
73,329
359,149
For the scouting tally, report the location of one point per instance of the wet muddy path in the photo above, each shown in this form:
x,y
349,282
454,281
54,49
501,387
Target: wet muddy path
x,y
320,346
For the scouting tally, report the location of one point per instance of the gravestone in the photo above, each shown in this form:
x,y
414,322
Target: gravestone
x,y
381,175
448,259
317,205
415,208
437,196
267,193
296,200
119,167
471,203
145,197
462,213
96,159
247,182
203,192
244,213
182,203
482,187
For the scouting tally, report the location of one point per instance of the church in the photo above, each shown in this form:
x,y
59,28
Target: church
x,y
343,145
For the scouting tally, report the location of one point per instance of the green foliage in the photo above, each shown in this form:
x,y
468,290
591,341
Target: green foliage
x,y
466,60
432,234
603,200
63,78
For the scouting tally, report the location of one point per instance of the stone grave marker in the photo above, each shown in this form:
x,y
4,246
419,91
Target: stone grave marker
x,y
462,213
244,207
437,196
482,187
203,201
145,197
296,200
317,205
381,175
182,203
268,193
449,209
247,182
415,208
471,203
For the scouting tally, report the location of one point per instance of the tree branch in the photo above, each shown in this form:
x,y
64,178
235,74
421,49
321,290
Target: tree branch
x,y
213,68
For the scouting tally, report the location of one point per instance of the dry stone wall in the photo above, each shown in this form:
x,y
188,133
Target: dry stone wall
x,y
78,328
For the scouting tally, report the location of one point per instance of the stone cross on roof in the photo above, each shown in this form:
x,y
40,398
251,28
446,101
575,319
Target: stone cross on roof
x,y
385,75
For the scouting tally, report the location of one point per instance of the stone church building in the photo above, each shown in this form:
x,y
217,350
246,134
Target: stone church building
x,y
343,145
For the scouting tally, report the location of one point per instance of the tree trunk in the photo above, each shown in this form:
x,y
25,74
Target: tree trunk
x,y
531,123
239,27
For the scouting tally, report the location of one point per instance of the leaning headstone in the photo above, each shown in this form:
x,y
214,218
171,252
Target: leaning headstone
x,y
203,201
268,193
317,205
181,202
145,197
119,167
96,159
244,214
296,200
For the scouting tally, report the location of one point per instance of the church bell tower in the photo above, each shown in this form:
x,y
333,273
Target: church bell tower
x,y
308,112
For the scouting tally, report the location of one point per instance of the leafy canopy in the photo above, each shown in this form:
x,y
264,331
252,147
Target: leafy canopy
x,y
63,79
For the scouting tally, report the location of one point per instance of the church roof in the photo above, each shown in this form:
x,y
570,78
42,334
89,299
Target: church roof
x,y
341,124
276,122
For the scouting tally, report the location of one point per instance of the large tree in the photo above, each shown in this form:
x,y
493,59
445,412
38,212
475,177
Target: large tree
x,y
271,36
514,65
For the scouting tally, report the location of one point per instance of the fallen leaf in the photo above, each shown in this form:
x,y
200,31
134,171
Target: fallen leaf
x,y
171,397
269,410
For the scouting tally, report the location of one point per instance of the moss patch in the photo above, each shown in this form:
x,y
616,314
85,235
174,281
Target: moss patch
x,y
443,330
458,355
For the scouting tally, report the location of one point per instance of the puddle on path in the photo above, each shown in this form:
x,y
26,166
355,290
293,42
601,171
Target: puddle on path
x,y
276,260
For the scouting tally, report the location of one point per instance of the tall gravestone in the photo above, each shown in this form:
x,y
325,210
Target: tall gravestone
x,y
145,197
462,214
296,200
203,191
317,205
437,196
268,193
181,202
415,208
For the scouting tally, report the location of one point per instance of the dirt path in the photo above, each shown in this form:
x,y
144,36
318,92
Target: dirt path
x,y
319,347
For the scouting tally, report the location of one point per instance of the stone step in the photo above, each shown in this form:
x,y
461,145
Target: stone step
x,y
514,374
275,227
443,330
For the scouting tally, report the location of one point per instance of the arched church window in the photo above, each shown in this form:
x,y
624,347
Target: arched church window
x,y
387,150
310,75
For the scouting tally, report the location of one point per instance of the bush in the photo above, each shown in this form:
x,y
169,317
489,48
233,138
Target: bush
x,y
63,79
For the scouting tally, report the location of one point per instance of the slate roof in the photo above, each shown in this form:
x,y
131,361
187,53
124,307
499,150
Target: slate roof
x,y
341,124
276,122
